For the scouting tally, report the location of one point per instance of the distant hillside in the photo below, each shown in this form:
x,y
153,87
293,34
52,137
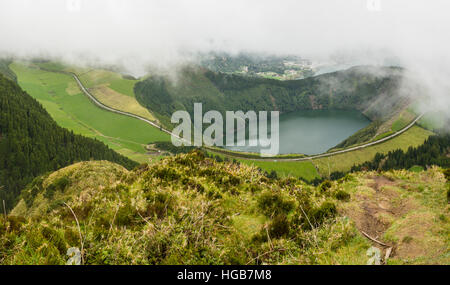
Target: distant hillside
x,y
5,71
275,67
375,91
31,143
190,209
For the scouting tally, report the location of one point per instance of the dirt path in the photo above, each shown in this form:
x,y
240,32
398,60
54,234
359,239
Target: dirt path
x,y
374,210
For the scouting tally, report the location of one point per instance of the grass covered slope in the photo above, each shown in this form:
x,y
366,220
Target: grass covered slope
x,y
413,137
70,108
31,143
407,210
189,209
113,90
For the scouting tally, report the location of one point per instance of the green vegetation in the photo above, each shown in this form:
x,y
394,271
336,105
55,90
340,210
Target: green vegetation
x,y
335,166
370,90
97,77
6,71
413,137
380,128
190,209
434,120
195,209
50,65
434,151
123,86
169,147
121,102
31,143
400,124
301,169
361,136
70,108
416,168
407,210
110,88
113,90
383,135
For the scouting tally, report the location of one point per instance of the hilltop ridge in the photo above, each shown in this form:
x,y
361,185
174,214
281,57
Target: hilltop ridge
x,y
190,209
31,143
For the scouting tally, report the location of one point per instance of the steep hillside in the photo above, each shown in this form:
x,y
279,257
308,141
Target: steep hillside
x,y
71,108
375,91
190,209
112,89
5,71
31,143
434,151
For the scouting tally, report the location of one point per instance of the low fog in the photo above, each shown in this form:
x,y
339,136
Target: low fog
x,y
139,34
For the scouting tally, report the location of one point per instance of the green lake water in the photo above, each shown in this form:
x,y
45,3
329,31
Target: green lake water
x,y
314,131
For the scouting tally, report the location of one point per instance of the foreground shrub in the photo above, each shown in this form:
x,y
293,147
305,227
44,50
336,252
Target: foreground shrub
x,y
324,186
279,226
272,203
325,211
447,174
342,195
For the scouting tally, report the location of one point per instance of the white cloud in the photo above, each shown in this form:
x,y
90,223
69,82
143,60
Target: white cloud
x,y
140,32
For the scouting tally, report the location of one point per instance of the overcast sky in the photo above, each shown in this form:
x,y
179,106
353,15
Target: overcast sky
x,y
138,32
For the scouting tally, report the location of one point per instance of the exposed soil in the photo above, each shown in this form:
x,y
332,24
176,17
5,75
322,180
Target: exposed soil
x,y
375,212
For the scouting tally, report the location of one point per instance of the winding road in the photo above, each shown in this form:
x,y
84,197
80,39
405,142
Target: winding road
x,y
101,105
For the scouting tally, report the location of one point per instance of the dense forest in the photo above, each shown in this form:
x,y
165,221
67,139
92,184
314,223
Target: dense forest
x,y
31,143
434,151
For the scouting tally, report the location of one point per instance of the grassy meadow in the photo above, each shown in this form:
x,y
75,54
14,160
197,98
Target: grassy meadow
x,y
404,118
113,90
433,120
71,109
415,136
110,88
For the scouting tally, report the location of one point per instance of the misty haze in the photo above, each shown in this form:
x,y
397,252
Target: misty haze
x,y
137,132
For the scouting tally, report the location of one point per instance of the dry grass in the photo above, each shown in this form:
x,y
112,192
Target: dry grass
x,y
119,101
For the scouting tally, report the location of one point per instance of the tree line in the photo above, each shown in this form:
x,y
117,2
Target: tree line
x,y
434,151
31,143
